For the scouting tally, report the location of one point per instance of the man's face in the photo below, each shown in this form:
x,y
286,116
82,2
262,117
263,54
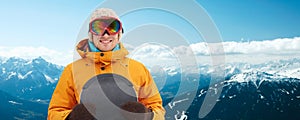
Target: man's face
x,y
106,42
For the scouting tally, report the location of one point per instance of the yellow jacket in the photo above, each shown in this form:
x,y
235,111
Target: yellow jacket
x,y
67,92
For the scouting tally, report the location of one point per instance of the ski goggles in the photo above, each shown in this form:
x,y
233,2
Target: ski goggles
x,y
111,25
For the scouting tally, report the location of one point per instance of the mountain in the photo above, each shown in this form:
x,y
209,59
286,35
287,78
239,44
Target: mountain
x,y
13,108
250,92
29,79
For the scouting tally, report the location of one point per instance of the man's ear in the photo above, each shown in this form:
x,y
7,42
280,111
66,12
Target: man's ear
x,y
90,36
119,37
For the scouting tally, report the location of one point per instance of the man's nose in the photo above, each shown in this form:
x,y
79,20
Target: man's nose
x,y
105,34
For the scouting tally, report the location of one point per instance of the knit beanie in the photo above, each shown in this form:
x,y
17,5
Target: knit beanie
x,y
103,12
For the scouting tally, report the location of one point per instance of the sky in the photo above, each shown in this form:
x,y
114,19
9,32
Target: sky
x,y
52,28
255,19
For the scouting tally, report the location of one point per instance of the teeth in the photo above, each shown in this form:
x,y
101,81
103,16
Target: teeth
x,y
105,41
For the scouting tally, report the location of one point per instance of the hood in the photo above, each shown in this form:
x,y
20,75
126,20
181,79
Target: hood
x,y
100,57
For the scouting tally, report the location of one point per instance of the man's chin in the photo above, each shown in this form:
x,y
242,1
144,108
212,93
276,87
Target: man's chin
x,y
105,49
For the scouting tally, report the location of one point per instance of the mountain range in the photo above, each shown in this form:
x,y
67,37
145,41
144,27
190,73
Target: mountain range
x,y
248,91
26,87
29,79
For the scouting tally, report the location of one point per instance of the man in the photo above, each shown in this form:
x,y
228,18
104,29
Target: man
x,y
102,53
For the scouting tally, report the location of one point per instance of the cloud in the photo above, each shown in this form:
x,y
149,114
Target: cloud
x,y
251,52
53,56
280,46
152,54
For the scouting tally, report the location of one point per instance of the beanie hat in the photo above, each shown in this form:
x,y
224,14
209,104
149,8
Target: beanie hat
x,y
103,12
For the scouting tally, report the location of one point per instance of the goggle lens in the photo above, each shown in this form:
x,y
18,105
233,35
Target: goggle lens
x,y
112,26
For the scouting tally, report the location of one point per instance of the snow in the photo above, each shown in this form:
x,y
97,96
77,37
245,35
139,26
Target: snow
x,y
238,78
3,70
49,79
230,97
182,115
213,89
171,71
293,73
202,92
261,96
172,104
37,62
20,76
29,62
256,76
11,74
22,69
4,61
15,103
41,101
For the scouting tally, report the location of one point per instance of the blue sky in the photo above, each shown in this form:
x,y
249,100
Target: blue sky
x,y
255,19
55,24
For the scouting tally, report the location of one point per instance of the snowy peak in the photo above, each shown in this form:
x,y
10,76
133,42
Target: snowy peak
x,y
274,71
257,77
22,69
27,78
40,61
231,71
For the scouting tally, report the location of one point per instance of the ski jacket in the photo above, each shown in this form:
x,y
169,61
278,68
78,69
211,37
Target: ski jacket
x,y
67,92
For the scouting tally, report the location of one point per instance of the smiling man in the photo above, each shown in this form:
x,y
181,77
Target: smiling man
x,y
102,53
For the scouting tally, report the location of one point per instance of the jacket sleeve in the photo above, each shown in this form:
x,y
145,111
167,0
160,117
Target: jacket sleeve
x,y
63,98
150,97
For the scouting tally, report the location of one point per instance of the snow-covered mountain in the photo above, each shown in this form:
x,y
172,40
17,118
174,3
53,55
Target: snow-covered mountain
x,y
250,91
285,68
33,79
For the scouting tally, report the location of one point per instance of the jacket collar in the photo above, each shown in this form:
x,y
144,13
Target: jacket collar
x,y
100,57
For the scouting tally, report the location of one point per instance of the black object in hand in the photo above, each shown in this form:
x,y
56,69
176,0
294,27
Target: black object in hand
x,y
136,111
79,112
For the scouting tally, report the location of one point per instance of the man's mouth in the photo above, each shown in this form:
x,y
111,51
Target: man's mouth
x,y
105,41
